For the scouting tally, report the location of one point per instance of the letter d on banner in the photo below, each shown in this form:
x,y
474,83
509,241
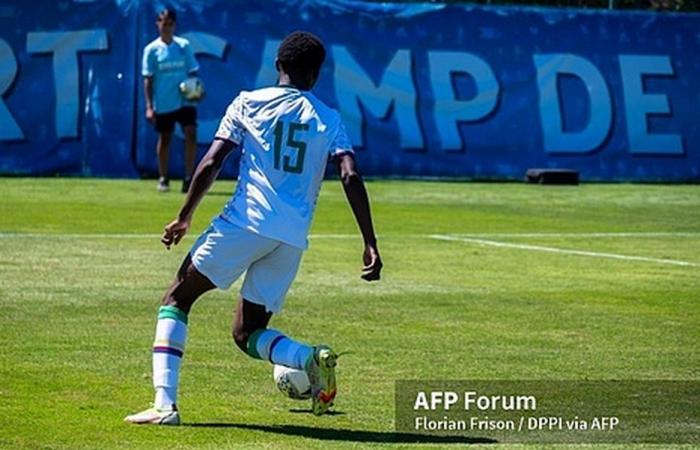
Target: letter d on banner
x,y
549,66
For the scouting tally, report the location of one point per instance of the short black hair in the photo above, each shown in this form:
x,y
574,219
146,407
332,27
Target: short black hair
x,y
301,55
167,13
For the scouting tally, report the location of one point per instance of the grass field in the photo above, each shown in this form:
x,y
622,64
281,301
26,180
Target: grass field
x,y
481,281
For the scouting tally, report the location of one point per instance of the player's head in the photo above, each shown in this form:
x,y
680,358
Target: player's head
x,y
165,21
300,56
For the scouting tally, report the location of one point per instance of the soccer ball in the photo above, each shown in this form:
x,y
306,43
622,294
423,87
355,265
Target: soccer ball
x,y
192,89
292,382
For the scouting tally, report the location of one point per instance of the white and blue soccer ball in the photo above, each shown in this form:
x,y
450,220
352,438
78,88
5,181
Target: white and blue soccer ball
x,y
192,89
292,382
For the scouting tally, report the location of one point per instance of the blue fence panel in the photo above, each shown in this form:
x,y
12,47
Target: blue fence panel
x,y
424,89
66,88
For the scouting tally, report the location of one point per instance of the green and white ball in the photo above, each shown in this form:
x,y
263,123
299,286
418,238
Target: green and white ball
x,y
192,89
292,382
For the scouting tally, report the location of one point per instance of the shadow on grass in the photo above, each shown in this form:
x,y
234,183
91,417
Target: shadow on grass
x,y
334,434
308,411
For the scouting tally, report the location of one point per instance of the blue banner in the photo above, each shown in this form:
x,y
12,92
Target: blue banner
x,y
66,88
424,89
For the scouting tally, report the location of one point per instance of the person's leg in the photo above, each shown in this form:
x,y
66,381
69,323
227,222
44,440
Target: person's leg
x,y
169,343
248,318
266,284
251,335
171,330
188,120
165,125
163,152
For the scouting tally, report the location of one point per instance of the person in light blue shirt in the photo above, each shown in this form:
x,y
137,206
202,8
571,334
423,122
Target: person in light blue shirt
x,y
167,61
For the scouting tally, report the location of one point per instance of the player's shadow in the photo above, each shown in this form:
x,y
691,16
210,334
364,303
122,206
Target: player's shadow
x,y
335,434
332,412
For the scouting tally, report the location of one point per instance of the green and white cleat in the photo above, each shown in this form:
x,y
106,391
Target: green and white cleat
x,y
155,416
321,371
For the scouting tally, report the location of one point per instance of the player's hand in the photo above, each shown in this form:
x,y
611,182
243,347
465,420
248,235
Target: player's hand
x,y
174,232
150,114
373,263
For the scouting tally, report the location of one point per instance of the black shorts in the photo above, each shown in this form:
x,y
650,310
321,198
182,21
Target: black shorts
x,y
185,116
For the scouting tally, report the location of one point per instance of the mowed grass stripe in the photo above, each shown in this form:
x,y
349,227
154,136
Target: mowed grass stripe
x,y
474,238
640,234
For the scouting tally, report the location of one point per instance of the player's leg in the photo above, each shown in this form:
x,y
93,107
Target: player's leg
x,y
187,287
264,289
257,341
165,125
248,318
265,286
189,127
218,257
169,343
171,330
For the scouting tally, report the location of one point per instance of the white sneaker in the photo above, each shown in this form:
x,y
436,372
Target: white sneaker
x,y
163,184
155,416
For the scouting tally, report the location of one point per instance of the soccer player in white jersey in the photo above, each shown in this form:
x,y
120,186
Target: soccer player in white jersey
x,y
167,61
286,136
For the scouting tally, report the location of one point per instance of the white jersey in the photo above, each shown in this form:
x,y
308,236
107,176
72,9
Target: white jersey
x,y
287,136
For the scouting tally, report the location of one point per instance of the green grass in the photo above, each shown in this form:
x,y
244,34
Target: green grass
x,y
82,273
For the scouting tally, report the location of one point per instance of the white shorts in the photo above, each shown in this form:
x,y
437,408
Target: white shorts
x,y
224,251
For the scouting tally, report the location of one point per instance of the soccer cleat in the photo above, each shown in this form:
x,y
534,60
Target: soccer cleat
x,y
163,184
155,416
321,371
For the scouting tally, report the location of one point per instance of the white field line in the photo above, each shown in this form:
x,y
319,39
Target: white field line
x,y
49,235
475,238
584,235
539,248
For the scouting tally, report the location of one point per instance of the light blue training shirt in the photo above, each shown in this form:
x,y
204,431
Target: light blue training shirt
x,y
168,64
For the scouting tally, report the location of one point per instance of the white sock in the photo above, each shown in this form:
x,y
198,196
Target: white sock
x,y
277,348
168,348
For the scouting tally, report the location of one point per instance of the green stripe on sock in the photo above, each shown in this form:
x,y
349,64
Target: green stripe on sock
x,y
172,312
253,343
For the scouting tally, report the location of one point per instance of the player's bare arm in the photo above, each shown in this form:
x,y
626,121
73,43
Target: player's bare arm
x,y
204,176
148,94
359,202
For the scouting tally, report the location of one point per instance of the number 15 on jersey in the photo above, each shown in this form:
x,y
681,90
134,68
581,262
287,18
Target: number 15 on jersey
x,y
294,149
